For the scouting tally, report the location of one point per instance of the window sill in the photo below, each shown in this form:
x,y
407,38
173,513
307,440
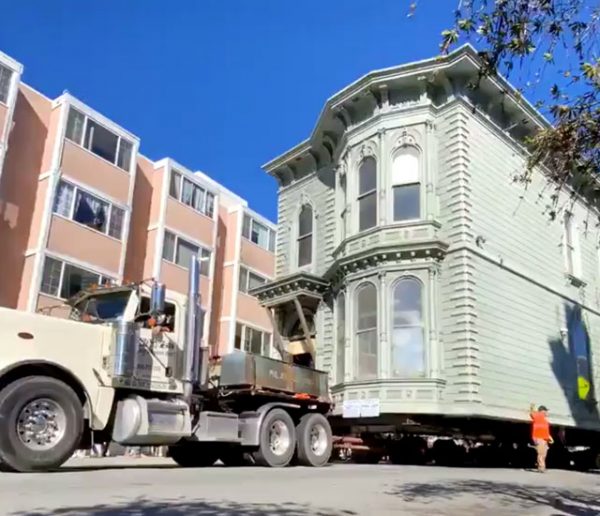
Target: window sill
x,y
95,231
88,151
257,245
186,269
575,280
174,199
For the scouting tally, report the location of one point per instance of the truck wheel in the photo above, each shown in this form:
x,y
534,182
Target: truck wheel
x,y
314,440
277,440
41,422
194,455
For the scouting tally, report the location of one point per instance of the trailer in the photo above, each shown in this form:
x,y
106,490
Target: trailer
x,y
129,367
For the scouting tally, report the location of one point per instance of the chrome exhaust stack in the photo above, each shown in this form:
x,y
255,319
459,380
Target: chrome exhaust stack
x,y
195,355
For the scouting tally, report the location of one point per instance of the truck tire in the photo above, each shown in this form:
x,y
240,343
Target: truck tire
x,y
277,440
41,423
315,440
194,455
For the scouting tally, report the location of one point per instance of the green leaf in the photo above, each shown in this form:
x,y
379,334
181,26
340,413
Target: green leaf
x,y
548,56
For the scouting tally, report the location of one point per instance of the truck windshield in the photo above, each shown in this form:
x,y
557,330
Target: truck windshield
x,y
103,306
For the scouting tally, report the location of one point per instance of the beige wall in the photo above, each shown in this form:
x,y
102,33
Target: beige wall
x,y
3,115
189,222
257,258
249,310
91,170
176,278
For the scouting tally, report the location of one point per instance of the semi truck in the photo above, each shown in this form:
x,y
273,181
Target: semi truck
x,y
129,366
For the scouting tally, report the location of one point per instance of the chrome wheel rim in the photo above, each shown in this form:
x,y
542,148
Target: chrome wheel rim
x,y
279,438
41,424
318,439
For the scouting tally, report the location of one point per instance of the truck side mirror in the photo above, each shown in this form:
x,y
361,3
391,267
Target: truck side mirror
x,y
157,298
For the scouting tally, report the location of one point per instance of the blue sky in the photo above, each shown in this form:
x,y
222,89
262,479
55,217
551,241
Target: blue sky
x,y
221,86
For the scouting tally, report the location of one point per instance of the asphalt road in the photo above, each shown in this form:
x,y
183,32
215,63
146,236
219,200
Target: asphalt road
x,y
125,486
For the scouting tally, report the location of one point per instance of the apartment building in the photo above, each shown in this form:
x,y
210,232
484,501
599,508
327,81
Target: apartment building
x,y
80,206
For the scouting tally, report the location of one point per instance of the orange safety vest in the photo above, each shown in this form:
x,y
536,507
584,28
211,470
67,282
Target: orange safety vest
x,y
540,428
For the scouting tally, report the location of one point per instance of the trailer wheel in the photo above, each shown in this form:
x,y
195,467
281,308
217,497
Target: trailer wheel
x,y
277,441
314,440
41,422
193,454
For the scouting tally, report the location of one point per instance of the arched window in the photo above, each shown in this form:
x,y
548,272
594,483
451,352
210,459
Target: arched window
x,y
406,187
305,236
340,363
367,194
408,349
366,332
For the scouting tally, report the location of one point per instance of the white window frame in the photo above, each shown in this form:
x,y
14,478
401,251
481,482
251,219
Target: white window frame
x,y
358,331
340,340
571,244
72,209
200,247
81,143
361,195
310,235
411,150
244,328
102,278
203,210
244,285
271,233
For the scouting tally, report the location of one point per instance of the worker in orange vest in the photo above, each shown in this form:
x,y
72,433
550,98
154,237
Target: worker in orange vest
x,y
540,433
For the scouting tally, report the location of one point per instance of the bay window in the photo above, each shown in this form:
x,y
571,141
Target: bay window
x,y
96,138
406,188
64,280
84,208
191,194
366,331
408,346
367,194
305,236
179,251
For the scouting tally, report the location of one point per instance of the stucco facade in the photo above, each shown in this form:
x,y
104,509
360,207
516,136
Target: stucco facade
x,y
430,280
81,205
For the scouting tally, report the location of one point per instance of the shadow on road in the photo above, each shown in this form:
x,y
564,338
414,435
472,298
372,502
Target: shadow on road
x,y
515,496
179,507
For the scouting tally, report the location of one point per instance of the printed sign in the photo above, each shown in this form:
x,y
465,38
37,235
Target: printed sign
x,y
361,408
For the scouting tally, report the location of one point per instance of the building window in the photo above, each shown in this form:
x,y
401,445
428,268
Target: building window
x,y
97,139
63,280
190,194
250,280
406,188
252,340
366,332
408,346
5,81
179,251
340,363
305,236
258,233
367,194
571,244
80,206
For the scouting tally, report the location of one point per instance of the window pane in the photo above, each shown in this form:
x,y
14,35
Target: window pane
x,y
367,176
75,126
255,341
238,336
187,196
76,280
198,202
210,204
246,227
243,280
205,262
405,168
5,79
408,356
115,228
340,365
367,355
125,151
64,199
51,276
407,303
366,307
90,211
169,247
260,235
266,348
255,281
101,141
407,205
304,251
305,221
272,241
367,211
185,251
175,185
